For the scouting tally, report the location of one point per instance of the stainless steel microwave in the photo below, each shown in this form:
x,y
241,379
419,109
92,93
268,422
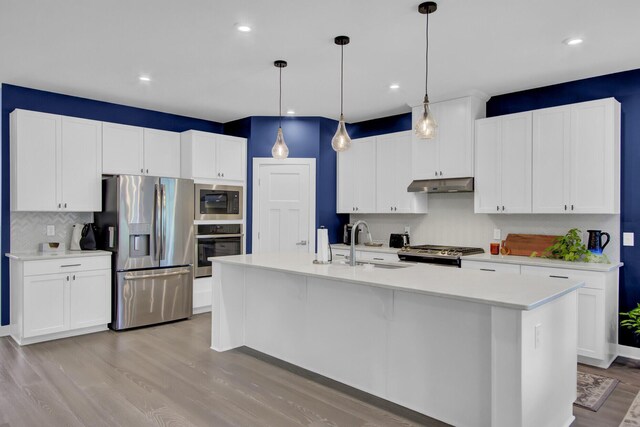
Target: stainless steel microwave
x,y
216,202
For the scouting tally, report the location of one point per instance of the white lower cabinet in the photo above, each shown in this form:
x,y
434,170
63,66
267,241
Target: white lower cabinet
x,y
363,255
491,267
59,298
202,293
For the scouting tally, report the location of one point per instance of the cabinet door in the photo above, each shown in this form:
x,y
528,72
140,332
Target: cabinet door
x,y
455,142
387,167
230,158
161,153
34,143
515,163
592,157
45,304
551,165
81,165
122,149
488,183
90,298
345,181
364,152
591,336
405,201
424,161
204,155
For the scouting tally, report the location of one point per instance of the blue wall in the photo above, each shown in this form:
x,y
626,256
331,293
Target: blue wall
x,y
625,87
31,99
306,137
397,123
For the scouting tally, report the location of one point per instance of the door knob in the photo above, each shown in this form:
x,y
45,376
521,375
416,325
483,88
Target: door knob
x,y
302,243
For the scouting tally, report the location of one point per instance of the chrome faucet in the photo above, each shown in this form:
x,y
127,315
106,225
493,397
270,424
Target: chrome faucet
x,y
354,231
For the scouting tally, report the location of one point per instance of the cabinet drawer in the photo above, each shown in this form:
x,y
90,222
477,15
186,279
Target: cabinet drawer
x,y
591,279
377,256
66,265
339,254
491,266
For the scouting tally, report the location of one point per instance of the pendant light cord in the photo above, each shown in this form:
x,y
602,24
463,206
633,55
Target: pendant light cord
x,y
341,78
280,100
426,60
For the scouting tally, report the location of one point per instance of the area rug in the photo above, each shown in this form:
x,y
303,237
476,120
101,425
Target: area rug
x,y
593,390
633,414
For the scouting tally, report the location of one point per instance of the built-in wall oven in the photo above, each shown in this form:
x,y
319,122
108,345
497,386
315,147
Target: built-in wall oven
x,y
218,202
216,240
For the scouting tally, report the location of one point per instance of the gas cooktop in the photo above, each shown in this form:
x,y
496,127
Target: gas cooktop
x,y
435,254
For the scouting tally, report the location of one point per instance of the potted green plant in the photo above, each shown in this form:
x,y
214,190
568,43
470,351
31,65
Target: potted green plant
x,y
570,248
632,321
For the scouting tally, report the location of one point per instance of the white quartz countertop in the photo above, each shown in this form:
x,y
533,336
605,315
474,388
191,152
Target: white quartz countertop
x,y
34,256
361,247
500,289
542,262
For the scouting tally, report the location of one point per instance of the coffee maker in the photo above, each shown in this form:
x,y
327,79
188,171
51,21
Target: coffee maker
x,y
346,236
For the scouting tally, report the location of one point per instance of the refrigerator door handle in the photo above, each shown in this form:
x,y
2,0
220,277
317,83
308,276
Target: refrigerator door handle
x,y
163,229
157,217
155,276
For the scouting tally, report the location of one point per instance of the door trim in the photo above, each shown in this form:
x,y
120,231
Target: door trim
x,y
255,197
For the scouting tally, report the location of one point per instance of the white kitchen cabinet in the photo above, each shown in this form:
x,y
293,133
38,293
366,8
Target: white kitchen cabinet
x,y
450,154
393,153
503,164
364,255
356,179
202,294
576,158
55,163
161,153
213,157
57,298
491,267
132,150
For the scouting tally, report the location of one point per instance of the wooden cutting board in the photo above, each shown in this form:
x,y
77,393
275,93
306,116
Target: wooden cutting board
x,y
526,244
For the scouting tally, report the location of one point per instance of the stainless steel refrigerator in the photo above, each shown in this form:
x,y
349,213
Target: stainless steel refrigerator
x,y
147,222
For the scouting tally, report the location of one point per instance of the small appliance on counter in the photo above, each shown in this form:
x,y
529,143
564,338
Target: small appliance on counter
x,y
76,236
346,237
399,240
595,244
52,247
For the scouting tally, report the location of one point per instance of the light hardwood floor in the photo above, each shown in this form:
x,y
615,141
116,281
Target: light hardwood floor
x,y
168,376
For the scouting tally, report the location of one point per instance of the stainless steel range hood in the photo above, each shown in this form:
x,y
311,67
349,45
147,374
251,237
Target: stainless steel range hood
x,y
451,185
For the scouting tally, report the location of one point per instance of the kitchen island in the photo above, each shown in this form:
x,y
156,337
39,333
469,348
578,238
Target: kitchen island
x,y
461,346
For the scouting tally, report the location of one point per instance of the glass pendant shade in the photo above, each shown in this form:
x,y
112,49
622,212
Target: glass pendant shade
x,y
426,126
341,140
280,149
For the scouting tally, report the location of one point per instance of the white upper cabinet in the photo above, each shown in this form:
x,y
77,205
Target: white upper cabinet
x,y
55,163
210,156
450,154
357,177
122,149
576,158
503,164
132,150
161,153
393,176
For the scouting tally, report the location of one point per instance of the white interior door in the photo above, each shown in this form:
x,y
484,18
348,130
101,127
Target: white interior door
x,y
285,209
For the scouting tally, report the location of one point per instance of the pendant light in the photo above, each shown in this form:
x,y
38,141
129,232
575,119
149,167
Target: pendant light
x,y
426,125
280,149
341,140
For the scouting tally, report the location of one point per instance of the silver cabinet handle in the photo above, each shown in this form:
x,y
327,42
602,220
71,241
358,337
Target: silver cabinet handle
x,y
59,205
141,170
302,243
65,205
379,259
70,265
487,269
498,208
503,209
155,276
436,173
440,173
147,171
67,278
223,174
74,277
565,207
571,207
558,277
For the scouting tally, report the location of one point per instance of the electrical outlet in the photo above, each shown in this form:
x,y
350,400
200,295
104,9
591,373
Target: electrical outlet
x,y
538,335
496,234
407,229
627,239
51,230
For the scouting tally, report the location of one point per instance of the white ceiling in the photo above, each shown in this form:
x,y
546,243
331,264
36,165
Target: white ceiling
x,y
203,67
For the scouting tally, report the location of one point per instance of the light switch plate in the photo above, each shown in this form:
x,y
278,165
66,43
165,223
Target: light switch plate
x,y
407,229
497,233
51,230
627,239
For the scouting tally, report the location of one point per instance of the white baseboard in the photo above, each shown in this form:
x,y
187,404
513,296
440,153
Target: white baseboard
x,y
5,330
200,310
630,352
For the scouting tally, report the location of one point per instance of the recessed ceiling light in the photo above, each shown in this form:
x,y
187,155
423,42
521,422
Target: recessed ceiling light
x,y
243,28
573,41
291,112
394,86
144,78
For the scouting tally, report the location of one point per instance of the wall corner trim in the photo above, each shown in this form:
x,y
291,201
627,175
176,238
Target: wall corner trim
x,y
628,351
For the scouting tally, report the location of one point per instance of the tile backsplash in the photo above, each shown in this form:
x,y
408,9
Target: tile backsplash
x,y
451,221
29,229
